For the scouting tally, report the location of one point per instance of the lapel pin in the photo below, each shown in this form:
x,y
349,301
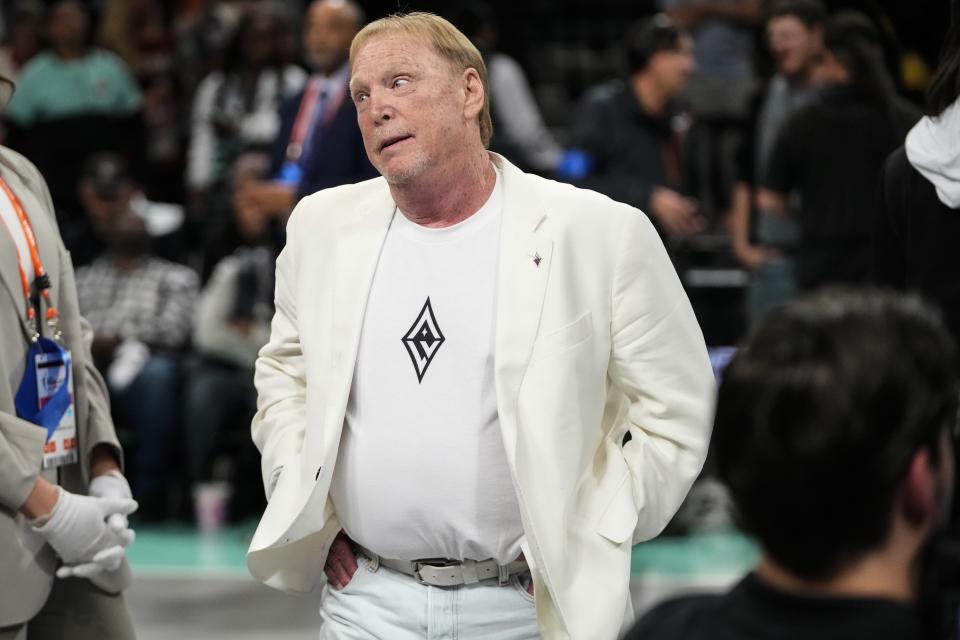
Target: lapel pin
x,y
537,259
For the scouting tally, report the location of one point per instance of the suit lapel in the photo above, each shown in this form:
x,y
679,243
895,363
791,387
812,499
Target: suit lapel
x,y
9,274
525,260
46,241
358,246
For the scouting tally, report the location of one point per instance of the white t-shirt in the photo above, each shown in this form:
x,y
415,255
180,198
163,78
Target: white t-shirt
x,y
8,217
422,471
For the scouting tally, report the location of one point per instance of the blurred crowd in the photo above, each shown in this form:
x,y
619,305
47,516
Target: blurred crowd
x,y
176,139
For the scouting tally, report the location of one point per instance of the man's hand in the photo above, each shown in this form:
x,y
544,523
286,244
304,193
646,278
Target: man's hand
x,y
676,214
341,562
752,256
77,530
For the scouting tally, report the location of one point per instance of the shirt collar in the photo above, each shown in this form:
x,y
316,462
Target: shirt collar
x,y
339,77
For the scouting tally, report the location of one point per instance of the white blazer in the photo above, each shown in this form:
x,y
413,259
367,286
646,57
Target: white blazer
x,y
596,341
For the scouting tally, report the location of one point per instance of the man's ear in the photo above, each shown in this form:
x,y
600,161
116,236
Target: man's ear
x,y
473,93
921,493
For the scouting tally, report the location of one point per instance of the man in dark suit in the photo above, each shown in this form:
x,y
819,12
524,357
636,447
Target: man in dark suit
x,y
319,144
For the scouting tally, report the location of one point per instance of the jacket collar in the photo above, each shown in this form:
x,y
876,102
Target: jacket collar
x,y
44,230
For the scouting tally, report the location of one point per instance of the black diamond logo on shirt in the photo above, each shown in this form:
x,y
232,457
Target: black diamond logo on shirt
x,y
423,340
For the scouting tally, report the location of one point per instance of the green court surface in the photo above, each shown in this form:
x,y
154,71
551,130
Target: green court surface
x,y
178,549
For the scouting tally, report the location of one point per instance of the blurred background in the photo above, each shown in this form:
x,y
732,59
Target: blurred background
x,y
164,130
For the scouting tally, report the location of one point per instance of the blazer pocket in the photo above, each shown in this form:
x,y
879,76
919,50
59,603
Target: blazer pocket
x,y
564,338
619,519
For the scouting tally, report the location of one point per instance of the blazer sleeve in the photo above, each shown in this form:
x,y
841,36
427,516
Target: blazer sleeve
x,y
660,362
21,455
280,378
100,428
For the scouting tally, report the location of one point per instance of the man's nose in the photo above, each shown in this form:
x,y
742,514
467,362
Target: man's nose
x,y
381,106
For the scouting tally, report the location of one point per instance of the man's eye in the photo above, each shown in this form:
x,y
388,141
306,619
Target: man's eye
x,y
361,97
399,82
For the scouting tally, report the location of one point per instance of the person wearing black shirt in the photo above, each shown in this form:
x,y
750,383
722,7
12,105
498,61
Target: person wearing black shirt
x,y
625,129
917,225
918,222
832,432
829,154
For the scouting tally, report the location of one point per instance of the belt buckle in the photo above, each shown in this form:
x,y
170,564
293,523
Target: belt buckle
x,y
437,563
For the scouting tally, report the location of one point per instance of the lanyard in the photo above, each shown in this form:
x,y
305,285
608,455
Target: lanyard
x,y
305,120
302,122
42,280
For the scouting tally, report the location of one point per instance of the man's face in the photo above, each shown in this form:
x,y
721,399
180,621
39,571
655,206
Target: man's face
x,y
68,25
828,70
672,68
128,235
103,207
329,29
794,46
410,107
260,41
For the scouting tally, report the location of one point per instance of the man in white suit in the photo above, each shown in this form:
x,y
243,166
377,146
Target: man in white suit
x,y
481,387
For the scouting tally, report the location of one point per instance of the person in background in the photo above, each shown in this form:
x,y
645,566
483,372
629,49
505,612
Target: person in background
x,y
519,132
762,242
141,33
236,109
71,77
21,41
720,92
231,324
917,224
833,431
63,496
107,189
138,31
626,130
73,99
829,155
319,144
141,310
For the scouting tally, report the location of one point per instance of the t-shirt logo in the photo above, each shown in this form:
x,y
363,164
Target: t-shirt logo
x,y
423,340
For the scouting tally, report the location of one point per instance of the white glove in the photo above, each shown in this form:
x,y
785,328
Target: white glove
x,y
112,485
77,530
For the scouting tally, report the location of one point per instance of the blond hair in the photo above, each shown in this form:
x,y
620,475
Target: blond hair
x,y
448,41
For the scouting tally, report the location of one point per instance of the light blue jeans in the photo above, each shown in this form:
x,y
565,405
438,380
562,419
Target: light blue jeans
x,y
379,603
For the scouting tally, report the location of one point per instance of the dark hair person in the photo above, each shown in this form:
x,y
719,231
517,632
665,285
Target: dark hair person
x,y
832,432
830,153
916,225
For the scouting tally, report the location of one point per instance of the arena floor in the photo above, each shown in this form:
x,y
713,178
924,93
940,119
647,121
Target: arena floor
x,y
191,586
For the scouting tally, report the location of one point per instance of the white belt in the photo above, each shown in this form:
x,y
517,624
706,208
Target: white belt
x,y
440,572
